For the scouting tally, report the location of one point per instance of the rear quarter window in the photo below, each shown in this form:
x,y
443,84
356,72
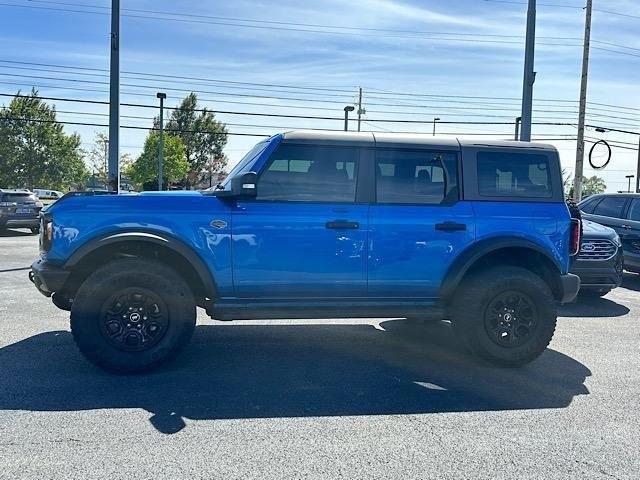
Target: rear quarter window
x,y
509,174
19,197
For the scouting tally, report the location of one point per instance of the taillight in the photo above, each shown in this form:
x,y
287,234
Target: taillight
x,y
46,234
574,238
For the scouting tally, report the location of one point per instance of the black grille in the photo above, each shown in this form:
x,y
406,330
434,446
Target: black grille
x,y
597,250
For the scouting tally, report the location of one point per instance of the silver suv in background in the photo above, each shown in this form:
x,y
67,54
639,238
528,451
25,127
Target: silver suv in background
x,y
20,209
620,211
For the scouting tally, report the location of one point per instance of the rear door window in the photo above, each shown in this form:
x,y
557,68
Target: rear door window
x,y
19,197
610,207
507,174
634,210
415,177
589,205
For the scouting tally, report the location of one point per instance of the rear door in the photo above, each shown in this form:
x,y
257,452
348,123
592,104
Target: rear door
x,y
631,227
610,212
417,224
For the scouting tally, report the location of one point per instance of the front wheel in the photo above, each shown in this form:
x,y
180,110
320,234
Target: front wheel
x,y
506,315
132,315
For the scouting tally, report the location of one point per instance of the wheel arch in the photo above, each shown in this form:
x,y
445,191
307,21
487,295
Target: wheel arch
x,y
155,245
503,251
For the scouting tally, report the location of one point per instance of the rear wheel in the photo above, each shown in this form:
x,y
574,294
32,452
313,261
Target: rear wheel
x,y
132,315
506,315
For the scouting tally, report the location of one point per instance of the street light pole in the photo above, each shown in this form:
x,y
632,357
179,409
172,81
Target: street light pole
x,y
347,109
435,119
113,177
629,177
529,74
161,96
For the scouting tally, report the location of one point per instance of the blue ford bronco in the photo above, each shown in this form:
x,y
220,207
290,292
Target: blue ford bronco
x,y
315,225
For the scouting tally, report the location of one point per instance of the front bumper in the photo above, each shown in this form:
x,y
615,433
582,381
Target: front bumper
x,y
569,287
47,278
600,274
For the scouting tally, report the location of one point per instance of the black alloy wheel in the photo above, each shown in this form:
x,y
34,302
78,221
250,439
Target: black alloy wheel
x,y
134,319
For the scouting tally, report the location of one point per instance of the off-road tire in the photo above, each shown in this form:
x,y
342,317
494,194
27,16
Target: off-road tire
x,y
125,275
470,312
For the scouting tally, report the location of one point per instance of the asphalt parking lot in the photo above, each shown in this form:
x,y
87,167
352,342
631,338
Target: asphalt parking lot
x,y
318,399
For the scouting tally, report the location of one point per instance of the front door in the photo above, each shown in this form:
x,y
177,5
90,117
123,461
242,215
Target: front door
x,y
304,235
610,212
417,225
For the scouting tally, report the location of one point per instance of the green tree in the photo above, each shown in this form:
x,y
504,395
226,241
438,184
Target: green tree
x,y
593,185
203,137
34,150
590,186
97,156
144,170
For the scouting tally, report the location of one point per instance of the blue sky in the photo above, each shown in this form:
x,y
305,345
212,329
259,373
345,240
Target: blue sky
x,y
455,51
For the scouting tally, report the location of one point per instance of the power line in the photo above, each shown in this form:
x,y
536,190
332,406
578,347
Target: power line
x,y
297,24
379,94
594,116
400,121
577,7
284,26
175,17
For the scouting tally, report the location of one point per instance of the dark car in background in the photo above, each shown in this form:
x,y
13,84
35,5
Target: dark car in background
x,y
599,262
19,209
620,211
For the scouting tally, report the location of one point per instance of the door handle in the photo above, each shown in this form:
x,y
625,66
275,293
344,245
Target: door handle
x,y
626,226
342,225
451,227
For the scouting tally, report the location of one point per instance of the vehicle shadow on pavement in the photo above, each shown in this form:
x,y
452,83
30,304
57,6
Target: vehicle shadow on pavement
x,y
631,281
593,308
258,371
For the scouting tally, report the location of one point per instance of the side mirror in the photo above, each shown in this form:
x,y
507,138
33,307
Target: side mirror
x,y
245,185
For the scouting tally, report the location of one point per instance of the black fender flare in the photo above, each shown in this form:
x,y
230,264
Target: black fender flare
x,y
158,238
475,252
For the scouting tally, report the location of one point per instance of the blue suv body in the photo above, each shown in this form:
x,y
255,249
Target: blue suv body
x,y
313,224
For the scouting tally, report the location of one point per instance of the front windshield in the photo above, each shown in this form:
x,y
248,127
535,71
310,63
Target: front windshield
x,y
251,154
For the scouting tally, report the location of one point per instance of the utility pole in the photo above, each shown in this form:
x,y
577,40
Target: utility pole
x,y
113,177
106,156
529,75
577,179
638,169
360,111
517,133
161,96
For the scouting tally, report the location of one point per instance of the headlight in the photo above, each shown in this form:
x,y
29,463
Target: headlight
x,y
617,241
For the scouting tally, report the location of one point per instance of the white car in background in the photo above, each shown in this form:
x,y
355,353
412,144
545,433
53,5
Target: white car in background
x,y
43,194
